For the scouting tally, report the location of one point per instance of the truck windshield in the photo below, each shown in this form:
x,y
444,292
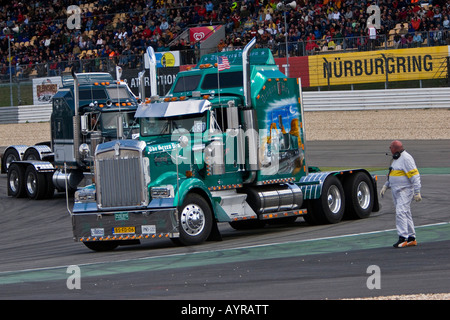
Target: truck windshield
x,y
118,93
187,83
195,123
92,94
108,120
227,80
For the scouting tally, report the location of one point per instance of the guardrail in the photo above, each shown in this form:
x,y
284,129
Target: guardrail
x,y
24,114
377,99
312,100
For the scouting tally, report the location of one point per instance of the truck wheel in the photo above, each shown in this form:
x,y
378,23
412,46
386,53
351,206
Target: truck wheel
x,y
31,154
9,156
16,181
195,220
359,196
330,207
35,184
101,246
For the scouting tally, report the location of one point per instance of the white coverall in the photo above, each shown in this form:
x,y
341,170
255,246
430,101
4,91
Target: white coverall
x,y
404,180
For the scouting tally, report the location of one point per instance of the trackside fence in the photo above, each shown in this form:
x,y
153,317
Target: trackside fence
x,y
313,101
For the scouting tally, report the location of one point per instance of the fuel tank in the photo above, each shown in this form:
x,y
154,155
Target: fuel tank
x,y
274,198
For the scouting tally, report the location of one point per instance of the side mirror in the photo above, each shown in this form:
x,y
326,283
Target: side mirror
x,y
84,120
183,141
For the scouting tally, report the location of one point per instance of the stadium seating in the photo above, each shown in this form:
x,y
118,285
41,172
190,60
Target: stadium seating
x,y
39,28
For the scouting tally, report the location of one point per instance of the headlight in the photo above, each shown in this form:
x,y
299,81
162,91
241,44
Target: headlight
x,y
83,149
162,192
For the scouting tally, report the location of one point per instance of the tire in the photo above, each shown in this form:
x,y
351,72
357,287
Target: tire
x,y
31,154
359,196
35,184
330,207
16,181
102,246
195,220
9,156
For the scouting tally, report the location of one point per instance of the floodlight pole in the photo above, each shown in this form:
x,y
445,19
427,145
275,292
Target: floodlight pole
x,y
10,71
285,7
286,38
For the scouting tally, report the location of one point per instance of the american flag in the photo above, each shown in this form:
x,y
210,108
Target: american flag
x,y
222,63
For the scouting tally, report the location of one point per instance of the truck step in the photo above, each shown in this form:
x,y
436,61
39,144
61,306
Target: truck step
x,y
235,205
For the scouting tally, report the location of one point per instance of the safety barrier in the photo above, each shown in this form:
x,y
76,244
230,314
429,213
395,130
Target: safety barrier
x,y
313,101
377,99
24,114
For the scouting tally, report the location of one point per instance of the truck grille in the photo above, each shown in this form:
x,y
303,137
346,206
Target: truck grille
x,y
120,179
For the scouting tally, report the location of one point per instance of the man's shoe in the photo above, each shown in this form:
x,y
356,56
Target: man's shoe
x,y
411,242
401,243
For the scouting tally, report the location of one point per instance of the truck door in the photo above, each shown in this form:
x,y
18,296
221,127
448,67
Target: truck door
x,y
222,152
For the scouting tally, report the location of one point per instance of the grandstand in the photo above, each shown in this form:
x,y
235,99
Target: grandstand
x,y
36,33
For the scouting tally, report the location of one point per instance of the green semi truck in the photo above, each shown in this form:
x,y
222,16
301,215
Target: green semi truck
x,y
85,113
226,144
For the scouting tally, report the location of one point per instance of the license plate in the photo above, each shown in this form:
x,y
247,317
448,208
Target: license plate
x,y
124,230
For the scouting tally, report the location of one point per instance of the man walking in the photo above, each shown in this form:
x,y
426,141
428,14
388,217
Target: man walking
x,y
404,180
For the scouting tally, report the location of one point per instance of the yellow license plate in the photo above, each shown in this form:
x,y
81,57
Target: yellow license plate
x,y
124,230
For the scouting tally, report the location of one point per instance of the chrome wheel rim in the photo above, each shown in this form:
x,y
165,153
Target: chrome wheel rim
x,y
363,195
31,183
192,219
14,181
334,199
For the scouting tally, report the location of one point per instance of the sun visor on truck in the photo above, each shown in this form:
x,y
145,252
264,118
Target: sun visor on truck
x,y
172,109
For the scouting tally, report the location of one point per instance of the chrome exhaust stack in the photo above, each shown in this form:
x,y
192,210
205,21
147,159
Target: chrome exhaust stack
x,y
246,71
153,80
250,122
76,119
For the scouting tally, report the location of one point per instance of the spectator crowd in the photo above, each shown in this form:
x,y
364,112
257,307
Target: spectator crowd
x,y
42,39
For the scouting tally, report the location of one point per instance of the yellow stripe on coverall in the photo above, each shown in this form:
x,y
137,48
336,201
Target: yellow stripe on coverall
x,y
400,173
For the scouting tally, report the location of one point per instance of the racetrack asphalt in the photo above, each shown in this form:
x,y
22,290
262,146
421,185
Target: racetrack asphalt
x,y
277,263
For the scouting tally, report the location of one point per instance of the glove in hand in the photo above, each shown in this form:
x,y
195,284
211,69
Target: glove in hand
x,y
417,197
383,190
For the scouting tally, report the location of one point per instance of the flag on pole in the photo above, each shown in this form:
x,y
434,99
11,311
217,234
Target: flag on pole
x,y
118,73
222,63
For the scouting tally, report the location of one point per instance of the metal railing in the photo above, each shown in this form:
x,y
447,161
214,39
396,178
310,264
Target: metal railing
x,y
429,98
19,85
190,55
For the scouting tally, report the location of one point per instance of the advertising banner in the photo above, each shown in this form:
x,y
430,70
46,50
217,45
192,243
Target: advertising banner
x,y
167,59
164,59
377,66
44,89
201,33
165,78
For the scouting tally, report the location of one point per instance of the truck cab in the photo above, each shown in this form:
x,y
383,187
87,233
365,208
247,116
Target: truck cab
x,y
222,146
100,100
85,112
